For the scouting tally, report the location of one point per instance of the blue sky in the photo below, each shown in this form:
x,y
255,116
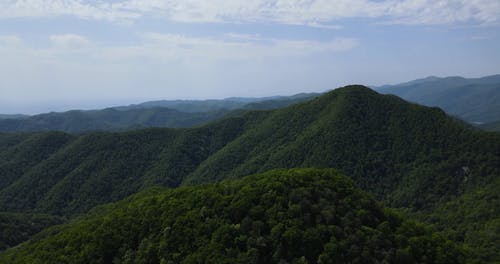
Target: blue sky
x,y
74,54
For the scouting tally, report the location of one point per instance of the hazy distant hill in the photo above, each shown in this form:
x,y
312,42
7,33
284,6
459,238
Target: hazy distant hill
x,y
476,100
2,116
231,103
493,126
174,114
404,154
108,119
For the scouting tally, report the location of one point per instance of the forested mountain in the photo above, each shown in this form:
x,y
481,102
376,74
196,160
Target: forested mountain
x,y
232,103
493,126
101,167
476,100
406,155
108,119
296,216
172,114
16,228
2,116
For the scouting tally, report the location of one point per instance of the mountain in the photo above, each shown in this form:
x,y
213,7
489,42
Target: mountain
x,y
392,148
79,172
173,114
17,228
475,100
283,216
493,126
107,119
232,103
406,155
360,132
17,116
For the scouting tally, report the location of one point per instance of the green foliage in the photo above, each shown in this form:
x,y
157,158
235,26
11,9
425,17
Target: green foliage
x,y
65,175
108,119
292,216
472,219
19,152
172,114
406,155
16,228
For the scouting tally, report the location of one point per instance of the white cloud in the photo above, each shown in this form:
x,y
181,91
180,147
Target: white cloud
x,y
235,46
315,13
69,41
156,49
98,10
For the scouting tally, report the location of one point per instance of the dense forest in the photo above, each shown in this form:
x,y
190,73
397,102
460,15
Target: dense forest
x,y
172,114
284,216
493,126
432,167
16,228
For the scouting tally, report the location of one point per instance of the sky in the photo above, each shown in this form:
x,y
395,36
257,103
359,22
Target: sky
x,y
57,55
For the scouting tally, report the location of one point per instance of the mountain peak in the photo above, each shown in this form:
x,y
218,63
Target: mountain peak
x,y
349,89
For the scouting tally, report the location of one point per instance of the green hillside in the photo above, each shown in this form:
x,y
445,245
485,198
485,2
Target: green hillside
x,y
296,216
394,149
101,167
17,228
21,152
406,155
476,100
493,126
232,103
472,219
108,119
171,114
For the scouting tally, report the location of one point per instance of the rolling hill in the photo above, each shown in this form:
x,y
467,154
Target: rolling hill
x,y
109,119
295,216
475,100
493,126
231,103
15,116
172,114
406,155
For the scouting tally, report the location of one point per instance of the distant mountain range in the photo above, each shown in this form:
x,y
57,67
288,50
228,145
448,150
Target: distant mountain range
x,y
493,126
19,116
231,103
475,100
174,114
417,158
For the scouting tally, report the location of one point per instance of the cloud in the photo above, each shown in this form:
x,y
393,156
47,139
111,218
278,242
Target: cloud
x,y
314,13
237,46
97,10
69,41
170,48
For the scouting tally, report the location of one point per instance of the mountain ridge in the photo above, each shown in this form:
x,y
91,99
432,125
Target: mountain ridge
x,y
475,100
407,155
173,114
